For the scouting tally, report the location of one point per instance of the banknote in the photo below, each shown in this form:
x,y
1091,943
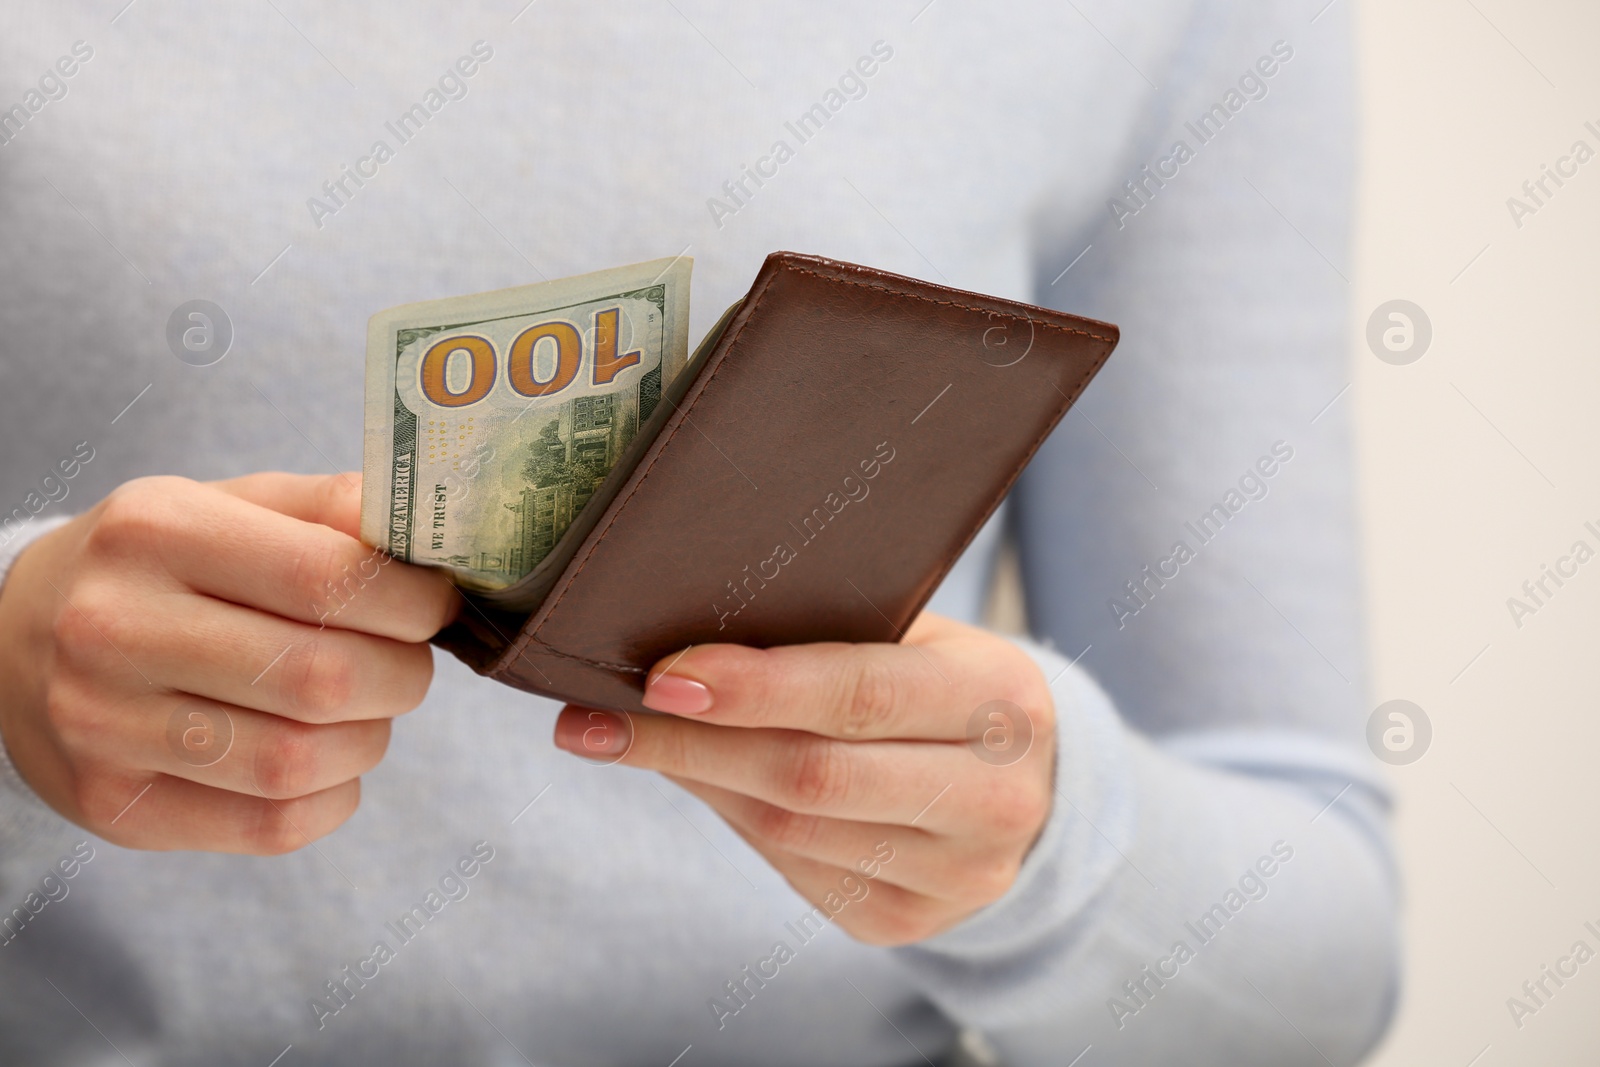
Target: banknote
x,y
493,421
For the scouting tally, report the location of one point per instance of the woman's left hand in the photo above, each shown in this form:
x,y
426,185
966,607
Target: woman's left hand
x,y
923,770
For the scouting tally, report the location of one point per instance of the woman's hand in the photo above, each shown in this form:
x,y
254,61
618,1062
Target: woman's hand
x,y
926,766
211,666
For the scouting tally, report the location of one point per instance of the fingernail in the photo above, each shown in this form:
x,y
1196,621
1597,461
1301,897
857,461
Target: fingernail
x,y
676,695
592,733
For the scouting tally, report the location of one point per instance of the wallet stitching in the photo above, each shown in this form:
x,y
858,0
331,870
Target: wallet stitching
x,y
530,637
844,280
554,651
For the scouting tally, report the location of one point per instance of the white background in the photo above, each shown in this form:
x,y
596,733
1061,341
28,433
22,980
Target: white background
x,y
1462,102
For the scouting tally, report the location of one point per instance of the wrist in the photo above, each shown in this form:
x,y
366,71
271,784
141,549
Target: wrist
x,y
1081,845
25,656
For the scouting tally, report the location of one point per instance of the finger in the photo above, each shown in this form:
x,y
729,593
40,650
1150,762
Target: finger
x,y
902,856
928,689
163,812
893,782
223,545
236,655
868,909
244,751
331,500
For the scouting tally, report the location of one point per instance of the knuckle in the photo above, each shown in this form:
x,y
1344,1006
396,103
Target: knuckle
x,y
904,921
287,760
317,680
1017,811
436,612
872,698
1043,714
669,751
415,679
330,493
1039,708
100,797
70,717
431,602
1026,687
1009,673
139,514
988,880
69,633
273,835
784,828
313,572
95,615
273,831
816,775
80,624
376,734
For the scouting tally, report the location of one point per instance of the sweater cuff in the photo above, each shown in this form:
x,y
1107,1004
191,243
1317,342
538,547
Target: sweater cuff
x,y
27,823
987,967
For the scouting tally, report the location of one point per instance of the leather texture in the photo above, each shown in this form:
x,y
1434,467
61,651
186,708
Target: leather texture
x,y
839,447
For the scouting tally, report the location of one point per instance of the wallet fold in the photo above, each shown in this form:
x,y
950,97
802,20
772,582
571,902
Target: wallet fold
x,y
839,446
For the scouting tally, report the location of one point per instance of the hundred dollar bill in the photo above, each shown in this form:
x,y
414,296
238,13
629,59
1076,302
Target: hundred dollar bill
x,y
493,421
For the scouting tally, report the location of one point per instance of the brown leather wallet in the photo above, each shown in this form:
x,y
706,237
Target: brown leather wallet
x,y
840,444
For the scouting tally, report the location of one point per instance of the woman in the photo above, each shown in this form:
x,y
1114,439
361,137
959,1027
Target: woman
x,y
1190,865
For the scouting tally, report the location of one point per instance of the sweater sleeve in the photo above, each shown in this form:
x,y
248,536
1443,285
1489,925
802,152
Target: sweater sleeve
x,y
1221,897
1215,884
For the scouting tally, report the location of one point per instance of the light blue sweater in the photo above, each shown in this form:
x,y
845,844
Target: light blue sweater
x,y
1214,885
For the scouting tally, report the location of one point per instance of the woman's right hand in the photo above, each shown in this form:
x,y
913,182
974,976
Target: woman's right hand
x,y
212,666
